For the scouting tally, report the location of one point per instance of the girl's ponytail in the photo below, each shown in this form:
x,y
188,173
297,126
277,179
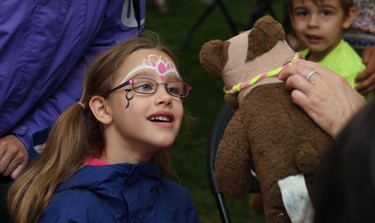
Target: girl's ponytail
x,y
63,155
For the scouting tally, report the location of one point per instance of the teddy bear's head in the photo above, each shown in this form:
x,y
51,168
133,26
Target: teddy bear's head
x,y
247,55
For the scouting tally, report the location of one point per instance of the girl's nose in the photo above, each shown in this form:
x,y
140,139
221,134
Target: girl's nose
x,y
162,95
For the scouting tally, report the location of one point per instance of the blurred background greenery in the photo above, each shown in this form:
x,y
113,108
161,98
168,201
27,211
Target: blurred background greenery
x,y
189,151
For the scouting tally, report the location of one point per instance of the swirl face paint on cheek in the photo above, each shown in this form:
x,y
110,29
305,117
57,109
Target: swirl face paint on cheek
x,y
128,98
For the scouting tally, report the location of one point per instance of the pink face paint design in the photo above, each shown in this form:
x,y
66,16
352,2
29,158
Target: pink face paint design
x,y
161,65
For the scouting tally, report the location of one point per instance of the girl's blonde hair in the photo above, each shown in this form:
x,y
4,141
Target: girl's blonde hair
x,y
76,136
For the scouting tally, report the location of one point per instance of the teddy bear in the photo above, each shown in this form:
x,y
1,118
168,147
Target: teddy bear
x,y
267,130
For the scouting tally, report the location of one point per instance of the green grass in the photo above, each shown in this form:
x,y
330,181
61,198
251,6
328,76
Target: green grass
x,y
189,151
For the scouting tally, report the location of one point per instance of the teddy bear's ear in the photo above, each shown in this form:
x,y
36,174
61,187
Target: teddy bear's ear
x,y
264,36
214,55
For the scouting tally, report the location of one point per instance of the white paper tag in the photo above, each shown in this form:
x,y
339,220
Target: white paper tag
x,y
296,199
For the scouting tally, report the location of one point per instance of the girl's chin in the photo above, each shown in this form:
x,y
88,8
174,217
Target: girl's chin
x,y
164,145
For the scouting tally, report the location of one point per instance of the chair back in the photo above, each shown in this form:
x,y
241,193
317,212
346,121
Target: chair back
x,y
222,118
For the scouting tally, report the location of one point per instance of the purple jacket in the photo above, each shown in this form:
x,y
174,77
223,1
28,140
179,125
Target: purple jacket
x,y
44,46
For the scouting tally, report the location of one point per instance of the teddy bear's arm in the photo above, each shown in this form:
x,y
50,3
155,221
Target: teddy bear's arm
x,y
232,164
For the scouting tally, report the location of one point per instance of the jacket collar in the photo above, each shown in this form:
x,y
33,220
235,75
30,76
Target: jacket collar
x,y
112,180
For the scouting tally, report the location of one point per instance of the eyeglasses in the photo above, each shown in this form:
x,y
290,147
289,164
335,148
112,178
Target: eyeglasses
x,y
178,89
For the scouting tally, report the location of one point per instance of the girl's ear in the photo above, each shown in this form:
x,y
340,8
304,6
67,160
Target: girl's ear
x,y
100,109
353,11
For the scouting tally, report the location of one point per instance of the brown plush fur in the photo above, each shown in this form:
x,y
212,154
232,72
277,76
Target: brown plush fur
x,y
216,47
267,129
257,46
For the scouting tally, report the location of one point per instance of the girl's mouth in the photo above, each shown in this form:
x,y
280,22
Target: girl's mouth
x,y
160,119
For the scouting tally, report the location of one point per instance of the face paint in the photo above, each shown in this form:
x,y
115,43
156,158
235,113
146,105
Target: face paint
x,y
128,98
161,65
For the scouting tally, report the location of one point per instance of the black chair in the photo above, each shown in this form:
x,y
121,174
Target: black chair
x,y
221,120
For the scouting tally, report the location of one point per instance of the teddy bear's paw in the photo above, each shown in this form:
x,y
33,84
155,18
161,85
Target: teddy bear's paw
x,y
307,159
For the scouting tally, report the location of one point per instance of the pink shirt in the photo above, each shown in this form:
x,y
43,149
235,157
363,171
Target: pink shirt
x,y
95,162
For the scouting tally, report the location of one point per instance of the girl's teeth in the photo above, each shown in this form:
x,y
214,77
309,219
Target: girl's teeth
x,y
164,119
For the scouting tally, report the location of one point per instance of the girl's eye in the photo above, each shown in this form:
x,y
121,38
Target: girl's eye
x,y
144,87
176,88
174,91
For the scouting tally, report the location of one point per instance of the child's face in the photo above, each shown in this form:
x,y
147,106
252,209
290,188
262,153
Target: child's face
x,y
145,123
319,26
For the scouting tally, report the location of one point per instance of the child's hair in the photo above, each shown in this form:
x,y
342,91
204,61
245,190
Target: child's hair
x,y
346,4
76,136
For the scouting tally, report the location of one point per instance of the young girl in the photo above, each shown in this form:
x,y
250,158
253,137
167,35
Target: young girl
x,y
102,158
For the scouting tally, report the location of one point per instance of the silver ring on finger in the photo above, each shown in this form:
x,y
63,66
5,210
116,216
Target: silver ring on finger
x,y
309,75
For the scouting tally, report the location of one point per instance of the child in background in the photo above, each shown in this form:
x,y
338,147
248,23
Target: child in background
x,y
105,159
320,25
361,36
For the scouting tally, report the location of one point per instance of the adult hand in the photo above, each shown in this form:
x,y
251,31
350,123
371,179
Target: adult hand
x,y
366,79
326,97
13,156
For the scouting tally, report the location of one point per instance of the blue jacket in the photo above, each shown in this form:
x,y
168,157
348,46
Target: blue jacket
x,y
44,46
120,193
